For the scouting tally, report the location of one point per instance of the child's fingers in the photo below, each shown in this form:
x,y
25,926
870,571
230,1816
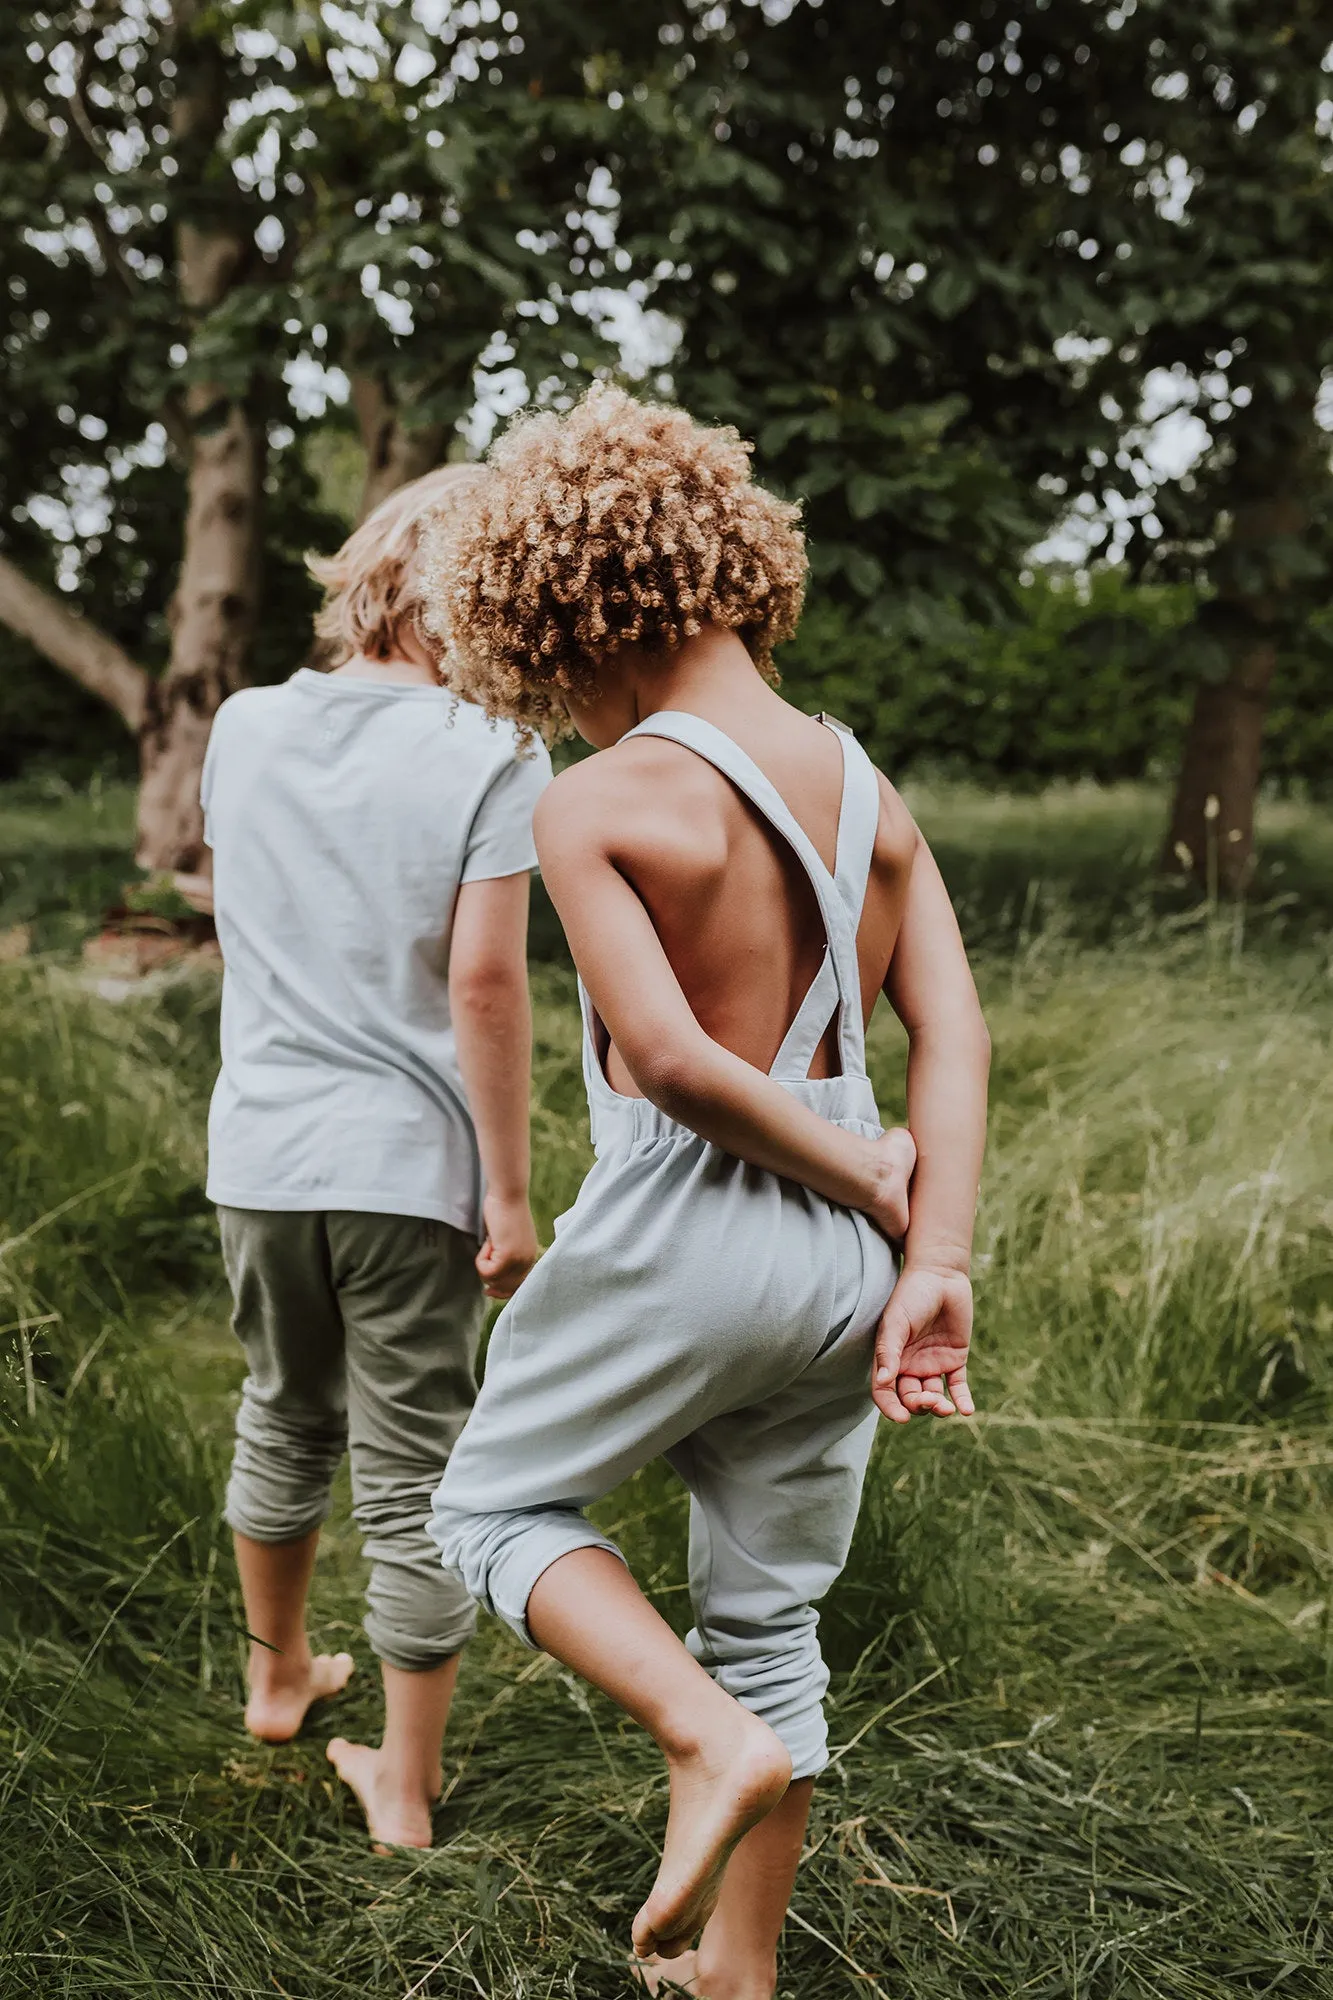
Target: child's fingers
x,y
961,1393
894,1331
925,1398
931,1360
501,1272
497,1280
887,1401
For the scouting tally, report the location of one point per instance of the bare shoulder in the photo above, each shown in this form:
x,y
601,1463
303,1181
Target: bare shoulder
x,y
897,838
571,811
618,799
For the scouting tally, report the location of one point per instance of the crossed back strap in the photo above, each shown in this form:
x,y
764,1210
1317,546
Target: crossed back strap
x,y
836,987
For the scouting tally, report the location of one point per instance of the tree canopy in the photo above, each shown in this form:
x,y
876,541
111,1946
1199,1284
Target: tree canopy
x,y
927,263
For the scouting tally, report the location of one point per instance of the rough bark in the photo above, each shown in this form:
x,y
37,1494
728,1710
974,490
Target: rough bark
x,y
1211,834
216,600
395,454
213,616
1212,818
73,643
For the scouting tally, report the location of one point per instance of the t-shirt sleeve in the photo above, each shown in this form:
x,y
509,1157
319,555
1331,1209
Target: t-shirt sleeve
x,y
500,838
206,779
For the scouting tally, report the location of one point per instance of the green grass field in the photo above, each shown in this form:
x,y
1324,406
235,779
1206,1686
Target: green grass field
x,y
1083,1650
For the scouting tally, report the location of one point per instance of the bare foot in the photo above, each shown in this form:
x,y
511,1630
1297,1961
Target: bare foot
x,y
688,1975
666,1975
734,1979
277,1708
718,1792
395,1817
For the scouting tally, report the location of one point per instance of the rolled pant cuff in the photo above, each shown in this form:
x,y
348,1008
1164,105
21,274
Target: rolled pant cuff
x,y
418,1656
527,1567
785,1688
500,1559
271,1533
809,1763
802,1733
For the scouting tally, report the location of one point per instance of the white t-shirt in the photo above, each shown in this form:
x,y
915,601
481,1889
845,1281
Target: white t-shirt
x,y
343,815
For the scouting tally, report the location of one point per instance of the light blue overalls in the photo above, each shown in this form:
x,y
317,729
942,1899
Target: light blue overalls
x,y
702,1310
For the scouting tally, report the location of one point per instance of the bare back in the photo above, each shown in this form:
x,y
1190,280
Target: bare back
x,y
732,906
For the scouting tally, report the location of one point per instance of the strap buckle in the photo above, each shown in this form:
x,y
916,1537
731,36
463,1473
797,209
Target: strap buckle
x,y
832,722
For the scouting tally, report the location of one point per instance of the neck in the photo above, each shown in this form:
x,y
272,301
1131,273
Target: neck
x,y
711,674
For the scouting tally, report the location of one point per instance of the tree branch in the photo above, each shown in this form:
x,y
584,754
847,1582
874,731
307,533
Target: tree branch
x,y
70,642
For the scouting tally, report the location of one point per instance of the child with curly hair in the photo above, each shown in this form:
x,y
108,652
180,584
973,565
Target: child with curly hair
x,y
738,884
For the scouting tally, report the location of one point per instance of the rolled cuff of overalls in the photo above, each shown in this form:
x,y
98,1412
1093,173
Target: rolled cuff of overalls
x,y
780,1677
500,1557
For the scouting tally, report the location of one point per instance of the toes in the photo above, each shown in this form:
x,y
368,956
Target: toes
x,y
650,1942
332,1671
676,1947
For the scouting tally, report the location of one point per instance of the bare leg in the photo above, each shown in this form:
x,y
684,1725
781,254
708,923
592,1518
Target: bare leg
x,y
737,1958
728,1769
400,1782
284,1676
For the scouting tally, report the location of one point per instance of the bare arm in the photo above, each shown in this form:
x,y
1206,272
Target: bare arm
x,y
930,988
492,1017
926,1330
674,1063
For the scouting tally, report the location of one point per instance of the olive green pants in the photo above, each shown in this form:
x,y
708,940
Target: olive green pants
x,y
361,1335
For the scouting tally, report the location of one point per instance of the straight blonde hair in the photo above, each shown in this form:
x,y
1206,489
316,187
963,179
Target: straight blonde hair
x,y
372,593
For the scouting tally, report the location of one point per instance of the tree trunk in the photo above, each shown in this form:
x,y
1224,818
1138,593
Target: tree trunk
x,y
216,601
1211,835
213,617
1212,819
395,454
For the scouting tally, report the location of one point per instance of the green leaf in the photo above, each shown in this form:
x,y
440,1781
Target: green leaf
x,y
950,290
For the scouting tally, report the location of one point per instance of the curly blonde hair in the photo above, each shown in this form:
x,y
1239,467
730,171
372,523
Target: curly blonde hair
x,y
618,523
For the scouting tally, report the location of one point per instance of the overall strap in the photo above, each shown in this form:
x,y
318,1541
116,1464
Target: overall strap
x,y
594,1076
858,823
836,987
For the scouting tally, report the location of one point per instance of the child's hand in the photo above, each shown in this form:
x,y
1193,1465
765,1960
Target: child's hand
x,y
921,1347
511,1247
896,1158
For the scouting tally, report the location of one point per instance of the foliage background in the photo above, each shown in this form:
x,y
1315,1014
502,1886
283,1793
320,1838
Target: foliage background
x,y
1089,679
928,261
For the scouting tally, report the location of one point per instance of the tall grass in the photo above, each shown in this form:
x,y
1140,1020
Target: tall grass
x,y
65,856
1083,1649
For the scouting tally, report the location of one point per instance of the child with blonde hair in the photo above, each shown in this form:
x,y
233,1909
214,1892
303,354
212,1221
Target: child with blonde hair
x,y
368,1136
738,884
